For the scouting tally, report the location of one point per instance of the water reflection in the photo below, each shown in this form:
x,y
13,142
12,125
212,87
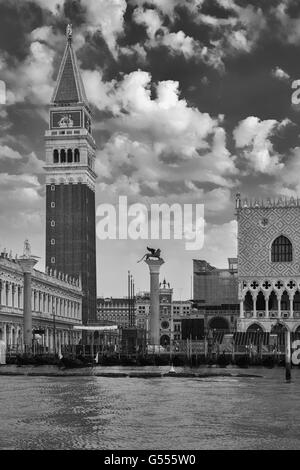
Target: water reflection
x,y
128,413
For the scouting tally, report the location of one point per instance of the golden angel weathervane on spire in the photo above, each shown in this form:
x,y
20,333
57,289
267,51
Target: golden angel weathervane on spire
x,y
69,32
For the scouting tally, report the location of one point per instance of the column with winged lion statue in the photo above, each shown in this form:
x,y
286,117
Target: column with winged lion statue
x,y
154,261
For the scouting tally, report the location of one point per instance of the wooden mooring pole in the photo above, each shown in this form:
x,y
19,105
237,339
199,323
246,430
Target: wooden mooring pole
x,y
287,355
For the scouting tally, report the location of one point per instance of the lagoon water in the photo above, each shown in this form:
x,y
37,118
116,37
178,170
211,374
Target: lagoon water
x,y
153,413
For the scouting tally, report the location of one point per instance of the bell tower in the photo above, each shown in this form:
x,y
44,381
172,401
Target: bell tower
x,y
70,181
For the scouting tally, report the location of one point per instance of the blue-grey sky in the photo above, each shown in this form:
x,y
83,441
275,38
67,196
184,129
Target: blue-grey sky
x,y
191,103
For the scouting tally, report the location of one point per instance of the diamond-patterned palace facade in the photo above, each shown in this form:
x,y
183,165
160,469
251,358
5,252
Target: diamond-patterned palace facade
x,y
269,264
70,182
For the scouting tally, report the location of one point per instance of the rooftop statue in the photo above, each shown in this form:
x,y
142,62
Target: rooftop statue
x,y
153,253
27,249
69,32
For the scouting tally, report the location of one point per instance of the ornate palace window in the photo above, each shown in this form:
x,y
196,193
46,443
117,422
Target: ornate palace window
x,y
62,156
70,155
55,156
76,156
282,250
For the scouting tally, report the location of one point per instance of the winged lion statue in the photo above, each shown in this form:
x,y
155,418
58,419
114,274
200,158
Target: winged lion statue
x,y
153,253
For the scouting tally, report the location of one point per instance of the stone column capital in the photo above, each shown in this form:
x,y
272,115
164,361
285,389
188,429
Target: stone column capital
x,y
27,264
154,265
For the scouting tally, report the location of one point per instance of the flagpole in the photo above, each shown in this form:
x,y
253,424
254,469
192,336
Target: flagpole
x,y
129,306
132,302
131,313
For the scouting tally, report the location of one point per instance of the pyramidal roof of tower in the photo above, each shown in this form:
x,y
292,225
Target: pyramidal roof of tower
x,y
69,87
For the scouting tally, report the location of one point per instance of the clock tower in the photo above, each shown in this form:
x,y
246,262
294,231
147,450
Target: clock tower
x,y
70,182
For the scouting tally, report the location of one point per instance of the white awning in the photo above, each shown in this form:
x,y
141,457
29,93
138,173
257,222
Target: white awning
x,y
95,327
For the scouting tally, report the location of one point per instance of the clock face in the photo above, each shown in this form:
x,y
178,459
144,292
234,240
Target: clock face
x,y
69,119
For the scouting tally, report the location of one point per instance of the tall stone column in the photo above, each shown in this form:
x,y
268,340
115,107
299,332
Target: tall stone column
x,y
242,313
279,304
4,333
291,297
154,267
10,337
254,297
267,296
51,341
27,262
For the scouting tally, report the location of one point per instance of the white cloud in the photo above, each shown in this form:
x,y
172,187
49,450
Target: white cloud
x,y
108,17
220,243
157,141
135,49
8,153
238,41
21,212
239,32
149,18
168,7
179,42
18,181
31,80
290,27
159,35
19,194
287,182
32,165
252,135
100,93
280,74
53,5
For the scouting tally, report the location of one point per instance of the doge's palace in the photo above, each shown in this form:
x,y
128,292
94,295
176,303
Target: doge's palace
x,y
268,264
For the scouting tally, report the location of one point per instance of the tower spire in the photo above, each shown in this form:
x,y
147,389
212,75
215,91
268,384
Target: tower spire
x,y
69,87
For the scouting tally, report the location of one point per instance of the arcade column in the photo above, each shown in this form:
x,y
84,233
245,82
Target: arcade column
x,y
154,267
